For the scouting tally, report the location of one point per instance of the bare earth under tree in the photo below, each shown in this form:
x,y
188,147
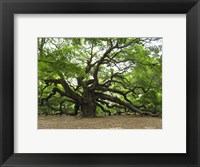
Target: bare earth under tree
x,y
112,122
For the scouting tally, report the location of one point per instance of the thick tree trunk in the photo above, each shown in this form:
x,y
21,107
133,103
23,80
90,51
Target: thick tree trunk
x,y
88,107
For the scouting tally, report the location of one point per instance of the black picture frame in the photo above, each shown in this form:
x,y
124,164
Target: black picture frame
x,y
10,7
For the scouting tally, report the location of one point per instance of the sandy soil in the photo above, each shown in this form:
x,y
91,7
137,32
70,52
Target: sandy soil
x,y
107,122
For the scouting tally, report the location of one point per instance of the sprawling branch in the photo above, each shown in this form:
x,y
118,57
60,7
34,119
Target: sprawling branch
x,y
118,101
68,91
110,106
114,91
99,62
125,104
54,91
42,90
103,109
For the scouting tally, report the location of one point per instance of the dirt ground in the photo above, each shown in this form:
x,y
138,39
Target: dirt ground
x,y
103,122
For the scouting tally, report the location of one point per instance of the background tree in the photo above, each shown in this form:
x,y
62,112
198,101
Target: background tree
x,y
110,75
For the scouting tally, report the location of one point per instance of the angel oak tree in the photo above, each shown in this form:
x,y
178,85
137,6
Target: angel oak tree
x,y
110,74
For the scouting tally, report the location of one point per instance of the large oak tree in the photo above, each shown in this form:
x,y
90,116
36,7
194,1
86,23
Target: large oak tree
x,y
104,74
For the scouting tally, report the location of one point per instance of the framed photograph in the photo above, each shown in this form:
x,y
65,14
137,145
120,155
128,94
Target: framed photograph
x,y
99,83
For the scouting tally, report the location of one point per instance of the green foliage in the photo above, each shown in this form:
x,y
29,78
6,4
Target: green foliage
x,y
136,66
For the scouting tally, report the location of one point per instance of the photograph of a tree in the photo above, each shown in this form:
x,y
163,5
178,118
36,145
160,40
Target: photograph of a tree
x,y
100,76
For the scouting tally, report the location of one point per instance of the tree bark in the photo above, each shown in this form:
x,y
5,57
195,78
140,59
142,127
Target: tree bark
x,y
88,106
88,109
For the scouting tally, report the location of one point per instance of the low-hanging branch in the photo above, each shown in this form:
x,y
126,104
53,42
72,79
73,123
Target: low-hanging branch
x,y
118,101
103,109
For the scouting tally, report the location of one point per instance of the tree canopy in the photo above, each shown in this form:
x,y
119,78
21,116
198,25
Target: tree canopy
x,y
101,75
